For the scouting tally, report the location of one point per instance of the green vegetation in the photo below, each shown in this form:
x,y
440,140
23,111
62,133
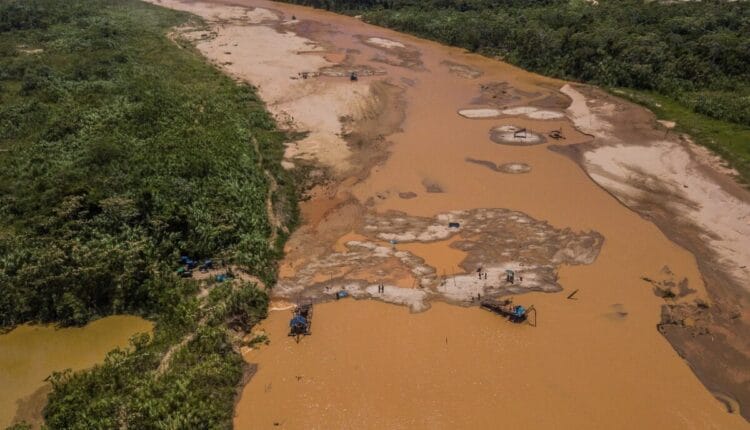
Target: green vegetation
x,y
198,388
121,150
696,54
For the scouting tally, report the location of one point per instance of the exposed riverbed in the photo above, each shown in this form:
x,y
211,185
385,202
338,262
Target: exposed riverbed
x,y
426,136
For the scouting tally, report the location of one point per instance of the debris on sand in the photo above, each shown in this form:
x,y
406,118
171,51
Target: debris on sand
x,y
431,186
512,135
342,70
496,240
462,70
666,286
501,94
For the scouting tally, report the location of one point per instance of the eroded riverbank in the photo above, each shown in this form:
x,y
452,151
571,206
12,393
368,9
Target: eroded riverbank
x,y
420,134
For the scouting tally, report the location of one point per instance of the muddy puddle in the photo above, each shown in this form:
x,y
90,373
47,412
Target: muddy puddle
x,y
30,353
433,176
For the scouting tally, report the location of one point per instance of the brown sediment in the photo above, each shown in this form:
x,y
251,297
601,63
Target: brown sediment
x,y
426,370
512,168
381,117
392,52
493,240
682,193
462,70
371,365
502,94
30,353
514,135
30,408
431,186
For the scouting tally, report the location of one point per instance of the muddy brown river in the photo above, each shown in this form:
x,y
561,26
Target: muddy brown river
x,y
426,136
30,353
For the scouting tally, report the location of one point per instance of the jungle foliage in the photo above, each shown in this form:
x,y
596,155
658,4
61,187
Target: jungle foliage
x,y
120,150
195,391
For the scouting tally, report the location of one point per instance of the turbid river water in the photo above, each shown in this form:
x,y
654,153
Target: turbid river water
x,y
30,353
396,162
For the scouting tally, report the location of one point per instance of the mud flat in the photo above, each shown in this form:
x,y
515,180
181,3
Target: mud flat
x,y
693,199
492,241
394,154
30,353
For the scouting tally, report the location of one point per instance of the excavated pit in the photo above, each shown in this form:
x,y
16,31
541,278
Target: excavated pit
x,y
516,136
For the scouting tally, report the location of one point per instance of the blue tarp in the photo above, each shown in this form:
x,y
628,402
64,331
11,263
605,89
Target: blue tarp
x,y
519,311
342,294
298,320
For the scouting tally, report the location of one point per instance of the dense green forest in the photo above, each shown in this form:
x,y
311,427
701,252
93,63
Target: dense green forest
x,y
695,53
120,151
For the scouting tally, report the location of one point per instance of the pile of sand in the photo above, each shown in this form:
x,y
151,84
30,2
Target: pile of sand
x,y
480,113
514,168
385,43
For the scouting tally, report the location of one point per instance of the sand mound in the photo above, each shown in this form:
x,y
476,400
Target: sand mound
x,y
514,168
385,43
480,113
545,114
521,110
533,113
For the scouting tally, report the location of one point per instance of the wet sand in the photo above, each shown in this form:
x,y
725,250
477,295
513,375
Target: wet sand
x,y
30,353
595,362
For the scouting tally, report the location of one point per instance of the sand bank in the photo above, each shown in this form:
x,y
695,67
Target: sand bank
x,y
374,365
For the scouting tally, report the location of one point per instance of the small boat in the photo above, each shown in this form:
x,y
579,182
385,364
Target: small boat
x,y
301,320
514,313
